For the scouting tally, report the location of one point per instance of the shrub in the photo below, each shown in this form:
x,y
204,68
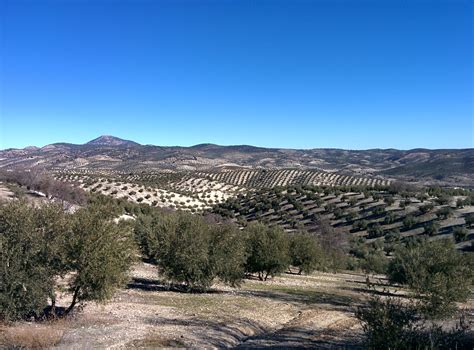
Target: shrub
x,y
469,219
460,234
392,324
305,252
409,222
267,249
445,212
375,230
431,228
436,272
424,209
360,225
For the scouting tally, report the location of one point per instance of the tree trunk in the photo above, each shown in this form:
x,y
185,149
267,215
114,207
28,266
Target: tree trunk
x,y
74,300
266,276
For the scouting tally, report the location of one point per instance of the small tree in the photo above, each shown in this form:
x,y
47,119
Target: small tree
x,y
305,252
460,234
188,250
409,222
375,230
31,256
390,323
431,229
100,252
469,220
267,249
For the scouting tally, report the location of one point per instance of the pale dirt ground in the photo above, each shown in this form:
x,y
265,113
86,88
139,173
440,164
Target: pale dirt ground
x,y
287,311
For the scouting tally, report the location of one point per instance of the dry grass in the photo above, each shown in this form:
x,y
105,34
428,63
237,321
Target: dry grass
x,y
31,336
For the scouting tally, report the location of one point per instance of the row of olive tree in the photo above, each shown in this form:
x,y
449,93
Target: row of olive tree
x,y
40,245
191,250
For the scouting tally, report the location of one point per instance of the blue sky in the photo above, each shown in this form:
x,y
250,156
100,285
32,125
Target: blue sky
x,y
296,74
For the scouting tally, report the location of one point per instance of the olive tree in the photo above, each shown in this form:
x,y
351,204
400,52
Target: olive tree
x,y
31,255
267,249
100,253
191,251
305,252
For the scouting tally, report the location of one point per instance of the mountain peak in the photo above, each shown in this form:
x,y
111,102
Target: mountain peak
x,y
108,140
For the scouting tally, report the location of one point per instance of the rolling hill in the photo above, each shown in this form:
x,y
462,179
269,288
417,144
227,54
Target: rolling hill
x,y
453,167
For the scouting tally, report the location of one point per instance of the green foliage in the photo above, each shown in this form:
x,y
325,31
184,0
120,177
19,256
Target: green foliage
x,y
305,252
370,257
30,245
267,249
40,244
469,219
189,250
445,212
436,272
100,252
375,230
431,228
390,323
460,234
409,222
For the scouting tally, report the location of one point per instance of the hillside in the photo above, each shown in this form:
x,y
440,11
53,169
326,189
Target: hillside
x,y
443,167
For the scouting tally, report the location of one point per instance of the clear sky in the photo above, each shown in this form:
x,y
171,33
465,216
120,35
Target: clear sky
x,y
351,74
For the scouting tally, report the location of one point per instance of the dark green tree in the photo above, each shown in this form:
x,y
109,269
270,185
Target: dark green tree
x,y
305,252
267,249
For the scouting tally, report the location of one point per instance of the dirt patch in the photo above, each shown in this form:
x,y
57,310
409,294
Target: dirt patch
x,y
288,311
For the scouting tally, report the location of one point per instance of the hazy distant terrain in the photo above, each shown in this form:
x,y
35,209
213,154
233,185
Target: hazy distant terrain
x,y
452,167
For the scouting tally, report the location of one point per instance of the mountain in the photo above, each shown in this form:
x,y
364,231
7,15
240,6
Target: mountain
x,y
452,167
107,140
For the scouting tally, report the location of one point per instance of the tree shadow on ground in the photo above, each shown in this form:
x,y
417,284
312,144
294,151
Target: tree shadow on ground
x,y
372,291
155,285
304,297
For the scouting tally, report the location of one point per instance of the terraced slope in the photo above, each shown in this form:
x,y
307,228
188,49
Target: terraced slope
x,y
200,190
284,177
369,214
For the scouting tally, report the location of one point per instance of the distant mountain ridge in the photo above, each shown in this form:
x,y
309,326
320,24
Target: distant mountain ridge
x,y
108,140
443,166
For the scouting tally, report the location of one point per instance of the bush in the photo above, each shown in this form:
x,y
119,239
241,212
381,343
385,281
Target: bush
x,y
436,272
375,230
305,252
445,212
267,249
460,234
409,222
431,229
469,219
391,324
